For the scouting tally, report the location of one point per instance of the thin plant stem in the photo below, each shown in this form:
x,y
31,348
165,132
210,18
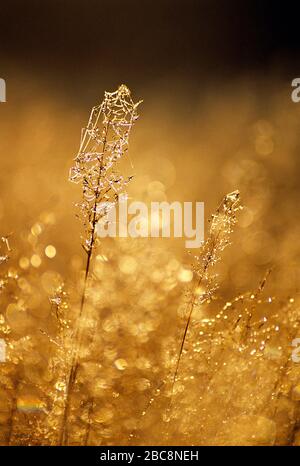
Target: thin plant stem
x,y
95,169
189,318
78,339
218,239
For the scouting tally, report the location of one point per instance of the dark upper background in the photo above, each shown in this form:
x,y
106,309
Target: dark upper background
x,y
141,40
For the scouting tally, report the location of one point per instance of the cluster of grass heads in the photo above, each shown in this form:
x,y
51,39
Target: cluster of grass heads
x,y
139,349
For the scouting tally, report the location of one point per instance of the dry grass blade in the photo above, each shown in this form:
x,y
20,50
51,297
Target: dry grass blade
x,y
103,143
205,284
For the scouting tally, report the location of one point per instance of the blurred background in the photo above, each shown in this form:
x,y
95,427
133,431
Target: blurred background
x,y
215,77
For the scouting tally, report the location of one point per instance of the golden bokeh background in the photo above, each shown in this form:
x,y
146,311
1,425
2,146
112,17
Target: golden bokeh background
x,y
243,136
